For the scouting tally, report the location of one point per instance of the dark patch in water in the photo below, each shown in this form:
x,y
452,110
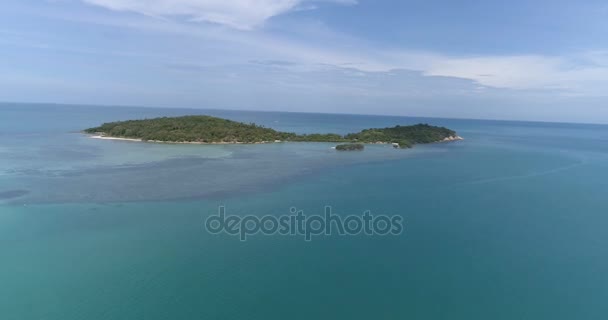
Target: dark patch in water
x,y
11,194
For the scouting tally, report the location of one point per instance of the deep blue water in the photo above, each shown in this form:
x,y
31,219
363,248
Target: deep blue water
x,y
507,224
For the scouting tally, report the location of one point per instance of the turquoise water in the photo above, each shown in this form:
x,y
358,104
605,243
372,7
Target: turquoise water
x,y
507,224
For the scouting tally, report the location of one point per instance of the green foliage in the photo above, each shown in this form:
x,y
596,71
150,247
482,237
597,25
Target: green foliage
x,y
405,136
319,137
350,147
403,144
206,129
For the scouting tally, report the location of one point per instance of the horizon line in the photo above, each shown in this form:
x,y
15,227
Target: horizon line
x,y
300,112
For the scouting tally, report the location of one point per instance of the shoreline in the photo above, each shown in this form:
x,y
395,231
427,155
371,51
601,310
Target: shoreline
x,y
102,137
452,138
113,138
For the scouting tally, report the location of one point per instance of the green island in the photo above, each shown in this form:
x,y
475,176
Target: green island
x,y
213,130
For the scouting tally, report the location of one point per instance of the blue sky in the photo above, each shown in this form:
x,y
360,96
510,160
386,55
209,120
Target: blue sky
x,y
526,60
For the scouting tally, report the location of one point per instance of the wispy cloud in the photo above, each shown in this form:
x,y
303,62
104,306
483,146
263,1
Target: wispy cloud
x,y
238,14
584,73
580,73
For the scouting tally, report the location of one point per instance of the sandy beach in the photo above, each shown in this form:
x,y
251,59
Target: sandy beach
x,y
174,142
113,138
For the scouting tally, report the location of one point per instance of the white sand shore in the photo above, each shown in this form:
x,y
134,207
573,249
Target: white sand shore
x,y
113,138
97,136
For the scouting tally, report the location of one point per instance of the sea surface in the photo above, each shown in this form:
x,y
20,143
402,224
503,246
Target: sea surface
x,y
511,223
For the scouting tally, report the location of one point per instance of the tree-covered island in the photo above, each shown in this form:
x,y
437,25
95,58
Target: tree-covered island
x,y
212,130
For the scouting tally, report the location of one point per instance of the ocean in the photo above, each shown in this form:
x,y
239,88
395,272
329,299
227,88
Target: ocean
x,y
510,223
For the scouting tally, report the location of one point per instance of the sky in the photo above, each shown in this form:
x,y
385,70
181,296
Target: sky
x,y
520,59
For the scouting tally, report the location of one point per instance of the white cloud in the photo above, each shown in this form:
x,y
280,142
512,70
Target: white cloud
x,y
582,73
577,74
504,72
238,14
167,62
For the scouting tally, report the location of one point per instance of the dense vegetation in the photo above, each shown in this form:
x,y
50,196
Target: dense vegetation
x,y
319,137
207,129
350,147
204,129
405,136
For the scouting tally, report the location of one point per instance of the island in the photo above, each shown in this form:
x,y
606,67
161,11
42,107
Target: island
x,y
201,129
350,147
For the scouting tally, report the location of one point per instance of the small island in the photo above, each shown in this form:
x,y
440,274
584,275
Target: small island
x,y
350,147
213,130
